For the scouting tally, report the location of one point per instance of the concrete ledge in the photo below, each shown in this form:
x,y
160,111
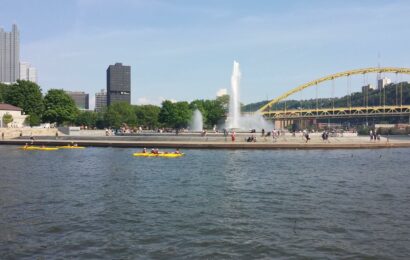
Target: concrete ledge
x,y
211,145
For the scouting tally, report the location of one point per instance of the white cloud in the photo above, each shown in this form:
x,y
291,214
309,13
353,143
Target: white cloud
x,y
190,57
153,100
222,92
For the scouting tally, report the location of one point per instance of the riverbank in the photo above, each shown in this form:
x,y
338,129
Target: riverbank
x,y
215,142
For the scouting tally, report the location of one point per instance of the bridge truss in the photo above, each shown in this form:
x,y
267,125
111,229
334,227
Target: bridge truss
x,y
336,112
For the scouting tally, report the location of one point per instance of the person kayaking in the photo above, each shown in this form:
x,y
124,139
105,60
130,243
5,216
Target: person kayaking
x,y
177,151
144,150
25,146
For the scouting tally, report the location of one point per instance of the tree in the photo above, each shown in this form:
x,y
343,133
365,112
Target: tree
x,y
212,111
87,118
59,107
175,115
224,102
26,95
33,120
166,113
215,112
120,113
2,91
100,122
183,114
200,105
147,115
7,119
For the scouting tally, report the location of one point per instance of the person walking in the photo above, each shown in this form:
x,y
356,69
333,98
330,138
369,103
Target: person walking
x,y
307,137
225,135
327,136
274,135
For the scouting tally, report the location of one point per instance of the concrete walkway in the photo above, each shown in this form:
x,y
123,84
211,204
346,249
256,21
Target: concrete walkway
x,y
283,142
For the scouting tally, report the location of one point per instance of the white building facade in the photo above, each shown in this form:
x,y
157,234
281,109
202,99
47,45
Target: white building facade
x,y
18,118
381,83
27,72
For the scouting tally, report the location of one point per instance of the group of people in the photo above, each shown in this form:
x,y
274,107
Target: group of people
x,y
251,139
274,133
27,146
156,151
374,136
325,136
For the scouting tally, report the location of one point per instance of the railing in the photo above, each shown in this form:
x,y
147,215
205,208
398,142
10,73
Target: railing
x,y
338,112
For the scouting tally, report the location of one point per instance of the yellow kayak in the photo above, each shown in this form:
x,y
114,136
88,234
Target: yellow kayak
x,y
167,155
71,147
38,148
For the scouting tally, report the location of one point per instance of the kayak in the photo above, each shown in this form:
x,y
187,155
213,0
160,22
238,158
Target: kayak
x,y
71,147
167,155
38,148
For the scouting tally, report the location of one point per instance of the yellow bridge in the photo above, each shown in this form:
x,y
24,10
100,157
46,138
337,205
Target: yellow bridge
x,y
337,112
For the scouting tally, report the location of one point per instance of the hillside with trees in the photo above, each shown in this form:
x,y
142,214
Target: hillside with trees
x,y
390,95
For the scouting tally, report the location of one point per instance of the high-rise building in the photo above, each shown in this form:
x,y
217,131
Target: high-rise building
x,y
32,74
118,84
27,72
381,83
367,88
100,100
80,98
24,70
9,55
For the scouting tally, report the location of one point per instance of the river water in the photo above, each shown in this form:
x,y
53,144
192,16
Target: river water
x,y
103,203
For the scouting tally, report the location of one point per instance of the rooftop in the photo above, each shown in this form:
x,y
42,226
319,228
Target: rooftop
x,y
9,107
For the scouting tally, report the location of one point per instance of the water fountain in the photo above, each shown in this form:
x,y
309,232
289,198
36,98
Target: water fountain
x,y
235,120
197,121
234,104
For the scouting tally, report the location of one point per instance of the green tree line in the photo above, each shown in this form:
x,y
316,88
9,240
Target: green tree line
x,y
58,107
392,94
55,107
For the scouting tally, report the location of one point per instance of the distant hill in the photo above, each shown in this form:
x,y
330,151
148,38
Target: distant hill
x,y
252,107
391,94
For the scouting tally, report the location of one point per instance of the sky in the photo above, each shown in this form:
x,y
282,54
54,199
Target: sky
x,y
184,50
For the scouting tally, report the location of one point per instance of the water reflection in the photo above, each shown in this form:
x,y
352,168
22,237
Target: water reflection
x,y
104,203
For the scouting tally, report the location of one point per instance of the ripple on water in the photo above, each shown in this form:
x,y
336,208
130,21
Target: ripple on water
x,y
104,203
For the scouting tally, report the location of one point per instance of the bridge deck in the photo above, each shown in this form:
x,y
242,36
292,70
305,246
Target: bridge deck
x,y
339,112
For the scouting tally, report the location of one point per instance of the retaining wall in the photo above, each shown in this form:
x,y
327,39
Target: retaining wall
x,y
27,131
